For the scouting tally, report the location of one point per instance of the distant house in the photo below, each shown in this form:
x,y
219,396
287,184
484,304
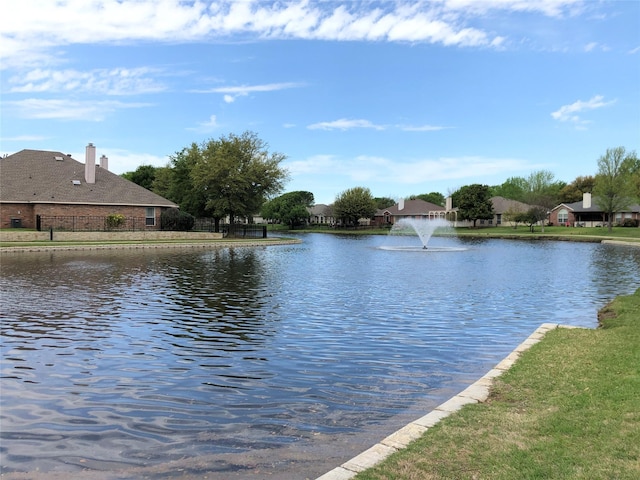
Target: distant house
x,y
38,188
587,213
321,214
409,209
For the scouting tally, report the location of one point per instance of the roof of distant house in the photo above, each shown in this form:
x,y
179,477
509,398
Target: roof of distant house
x,y
38,176
415,207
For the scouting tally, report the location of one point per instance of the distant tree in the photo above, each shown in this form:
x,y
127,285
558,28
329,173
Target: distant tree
x,y
534,215
542,190
434,197
289,208
162,181
574,191
513,188
354,204
514,215
614,189
384,202
473,203
233,176
143,176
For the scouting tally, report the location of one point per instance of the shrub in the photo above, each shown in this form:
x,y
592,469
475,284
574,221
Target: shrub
x,y
115,220
630,222
175,219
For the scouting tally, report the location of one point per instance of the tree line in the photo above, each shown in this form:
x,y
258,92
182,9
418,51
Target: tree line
x,y
236,176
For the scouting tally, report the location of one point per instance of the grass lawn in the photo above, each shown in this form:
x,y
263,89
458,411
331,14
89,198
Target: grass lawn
x,y
568,409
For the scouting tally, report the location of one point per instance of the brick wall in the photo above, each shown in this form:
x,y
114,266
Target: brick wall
x,y
27,213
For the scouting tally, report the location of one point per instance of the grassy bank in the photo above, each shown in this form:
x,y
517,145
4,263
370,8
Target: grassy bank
x,y
568,409
552,233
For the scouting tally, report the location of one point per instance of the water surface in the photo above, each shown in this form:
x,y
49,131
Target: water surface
x,y
279,361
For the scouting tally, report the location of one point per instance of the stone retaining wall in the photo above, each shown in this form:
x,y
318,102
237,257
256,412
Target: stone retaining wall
x,y
32,236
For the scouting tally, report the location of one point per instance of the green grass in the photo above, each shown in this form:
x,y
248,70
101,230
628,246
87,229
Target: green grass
x,y
568,409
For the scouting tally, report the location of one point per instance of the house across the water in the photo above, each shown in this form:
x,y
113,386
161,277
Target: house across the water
x,y
42,189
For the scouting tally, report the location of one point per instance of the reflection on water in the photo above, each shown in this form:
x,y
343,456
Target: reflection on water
x,y
285,359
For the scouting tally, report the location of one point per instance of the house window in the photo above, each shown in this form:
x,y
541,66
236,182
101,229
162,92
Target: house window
x,y
150,217
619,218
563,216
498,219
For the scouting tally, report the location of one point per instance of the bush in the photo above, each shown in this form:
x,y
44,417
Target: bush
x,y
115,220
630,222
177,220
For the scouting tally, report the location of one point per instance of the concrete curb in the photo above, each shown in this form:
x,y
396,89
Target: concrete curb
x,y
148,245
475,393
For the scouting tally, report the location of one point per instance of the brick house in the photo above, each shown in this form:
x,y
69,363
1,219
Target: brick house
x,y
409,209
587,213
38,186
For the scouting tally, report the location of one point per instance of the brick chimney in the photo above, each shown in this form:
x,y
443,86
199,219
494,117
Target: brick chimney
x,y
104,162
90,164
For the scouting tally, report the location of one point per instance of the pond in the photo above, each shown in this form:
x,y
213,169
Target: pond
x,y
280,361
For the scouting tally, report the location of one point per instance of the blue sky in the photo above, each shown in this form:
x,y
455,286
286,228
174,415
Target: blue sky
x,y
400,97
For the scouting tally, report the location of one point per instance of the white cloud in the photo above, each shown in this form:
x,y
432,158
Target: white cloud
x,y
208,126
116,81
121,161
68,109
233,92
33,27
371,169
421,128
569,113
345,124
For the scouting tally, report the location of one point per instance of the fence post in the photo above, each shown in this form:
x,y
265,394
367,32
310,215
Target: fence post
x,y
264,231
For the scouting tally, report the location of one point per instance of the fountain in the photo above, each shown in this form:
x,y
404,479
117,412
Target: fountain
x,y
424,228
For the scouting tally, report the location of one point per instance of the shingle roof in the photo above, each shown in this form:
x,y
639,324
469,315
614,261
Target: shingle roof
x,y
412,207
578,207
502,205
36,176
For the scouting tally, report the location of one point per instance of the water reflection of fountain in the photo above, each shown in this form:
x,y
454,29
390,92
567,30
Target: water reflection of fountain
x,y
424,228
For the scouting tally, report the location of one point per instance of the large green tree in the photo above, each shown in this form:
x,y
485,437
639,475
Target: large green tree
x,y
434,197
289,208
231,176
353,204
179,182
574,191
513,188
144,176
473,203
384,202
614,188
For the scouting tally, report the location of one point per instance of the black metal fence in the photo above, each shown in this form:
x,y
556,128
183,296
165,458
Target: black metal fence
x,y
84,223
88,223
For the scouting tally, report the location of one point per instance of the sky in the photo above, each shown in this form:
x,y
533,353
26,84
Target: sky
x,y
401,97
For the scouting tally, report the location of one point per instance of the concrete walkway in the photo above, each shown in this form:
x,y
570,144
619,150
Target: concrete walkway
x,y
475,393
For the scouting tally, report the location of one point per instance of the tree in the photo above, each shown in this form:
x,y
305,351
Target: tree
x,y
542,190
473,203
535,214
234,175
354,204
574,191
513,188
144,176
384,202
289,208
614,188
434,197
180,185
